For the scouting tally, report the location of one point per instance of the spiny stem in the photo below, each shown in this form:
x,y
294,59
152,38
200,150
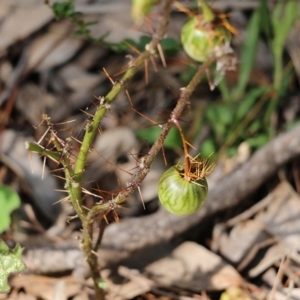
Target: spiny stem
x,y
87,221
158,144
185,148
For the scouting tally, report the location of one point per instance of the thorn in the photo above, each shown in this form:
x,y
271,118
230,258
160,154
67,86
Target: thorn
x,y
146,71
43,136
116,217
183,9
164,155
147,118
89,193
44,165
139,189
30,161
162,56
153,63
105,219
134,49
128,96
65,199
108,76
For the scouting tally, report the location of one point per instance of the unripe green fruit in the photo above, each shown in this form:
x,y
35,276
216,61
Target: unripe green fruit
x,y
200,41
141,8
180,196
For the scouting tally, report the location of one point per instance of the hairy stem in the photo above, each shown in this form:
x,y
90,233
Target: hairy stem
x,y
90,134
187,162
148,159
74,173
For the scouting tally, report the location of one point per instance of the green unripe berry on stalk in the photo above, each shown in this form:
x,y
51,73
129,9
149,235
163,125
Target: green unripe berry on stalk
x,y
141,8
180,196
200,39
182,189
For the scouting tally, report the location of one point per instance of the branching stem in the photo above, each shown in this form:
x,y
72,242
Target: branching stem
x,y
74,173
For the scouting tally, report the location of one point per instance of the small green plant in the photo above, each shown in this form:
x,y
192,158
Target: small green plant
x,y
9,201
244,112
188,178
10,262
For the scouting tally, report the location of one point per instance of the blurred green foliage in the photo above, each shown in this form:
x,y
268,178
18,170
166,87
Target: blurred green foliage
x,y
9,201
245,112
10,262
151,134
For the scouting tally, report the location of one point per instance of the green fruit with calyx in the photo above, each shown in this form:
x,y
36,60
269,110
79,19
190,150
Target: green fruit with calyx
x,y
200,39
179,194
141,8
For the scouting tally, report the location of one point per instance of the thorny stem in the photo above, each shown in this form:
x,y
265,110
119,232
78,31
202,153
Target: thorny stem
x,y
74,176
90,134
185,148
148,159
118,86
88,139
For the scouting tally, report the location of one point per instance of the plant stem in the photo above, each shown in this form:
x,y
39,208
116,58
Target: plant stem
x,y
91,131
187,163
208,14
74,175
158,144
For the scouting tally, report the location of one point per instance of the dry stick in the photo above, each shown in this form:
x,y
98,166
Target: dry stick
x,y
139,233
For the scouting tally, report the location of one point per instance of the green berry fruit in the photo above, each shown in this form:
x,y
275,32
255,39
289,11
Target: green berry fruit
x,y
179,195
141,8
201,39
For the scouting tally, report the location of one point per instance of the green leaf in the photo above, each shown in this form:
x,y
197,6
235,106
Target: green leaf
x,y
170,46
9,201
81,32
172,141
231,152
208,148
224,90
284,17
10,262
63,9
187,75
87,24
144,40
254,127
258,141
266,21
288,75
248,102
248,52
220,116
